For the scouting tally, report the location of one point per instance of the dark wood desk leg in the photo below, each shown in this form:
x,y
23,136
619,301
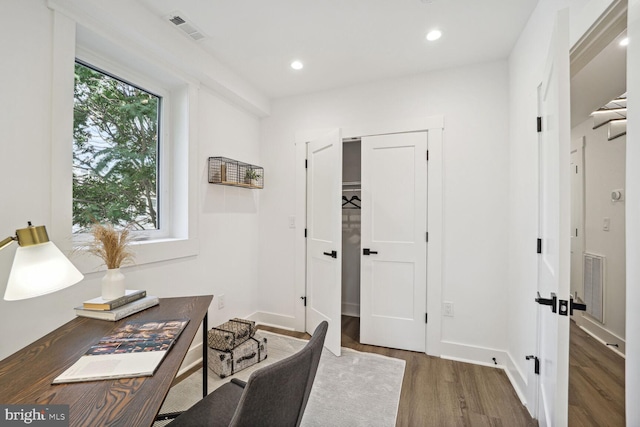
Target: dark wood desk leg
x,y
205,366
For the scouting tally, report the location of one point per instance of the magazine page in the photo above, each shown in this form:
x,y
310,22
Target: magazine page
x,y
134,349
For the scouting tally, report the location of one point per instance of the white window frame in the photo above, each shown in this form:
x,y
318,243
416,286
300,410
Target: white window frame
x,y
177,154
163,176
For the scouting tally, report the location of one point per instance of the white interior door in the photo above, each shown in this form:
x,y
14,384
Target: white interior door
x,y
394,248
577,218
554,210
324,237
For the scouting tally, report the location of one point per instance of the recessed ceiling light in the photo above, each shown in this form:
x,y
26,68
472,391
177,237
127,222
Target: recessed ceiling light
x,y
434,35
297,65
624,41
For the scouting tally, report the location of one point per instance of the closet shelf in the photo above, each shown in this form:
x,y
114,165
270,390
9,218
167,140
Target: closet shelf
x,y
351,186
225,171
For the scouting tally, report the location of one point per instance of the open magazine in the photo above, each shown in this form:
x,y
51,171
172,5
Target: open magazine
x,y
134,349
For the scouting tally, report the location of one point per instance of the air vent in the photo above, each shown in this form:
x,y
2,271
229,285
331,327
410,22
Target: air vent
x,y
180,21
177,20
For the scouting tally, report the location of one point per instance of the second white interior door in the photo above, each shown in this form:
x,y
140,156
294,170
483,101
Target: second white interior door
x,y
394,247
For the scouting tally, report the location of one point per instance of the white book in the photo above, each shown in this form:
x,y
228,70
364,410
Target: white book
x,y
111,366
120,312
134,349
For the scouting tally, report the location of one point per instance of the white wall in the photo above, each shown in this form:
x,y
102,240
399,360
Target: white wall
x,y
227,217
604,171
474,102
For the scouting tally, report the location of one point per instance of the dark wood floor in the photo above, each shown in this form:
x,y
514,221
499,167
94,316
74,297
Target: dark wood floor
x,y
439,392
596,383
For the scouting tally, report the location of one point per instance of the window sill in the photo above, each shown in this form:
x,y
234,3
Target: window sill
x,y
145,252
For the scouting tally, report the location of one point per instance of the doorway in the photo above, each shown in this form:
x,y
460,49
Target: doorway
x,y
598,278
384,241
433,126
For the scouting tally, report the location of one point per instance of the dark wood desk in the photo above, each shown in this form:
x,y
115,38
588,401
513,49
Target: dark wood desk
x,y
25,376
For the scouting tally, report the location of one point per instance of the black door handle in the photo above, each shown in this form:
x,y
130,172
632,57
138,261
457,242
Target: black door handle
x,y
548,301
367,251
577,306
332,254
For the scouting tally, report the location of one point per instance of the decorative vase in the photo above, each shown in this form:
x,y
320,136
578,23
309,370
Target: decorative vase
x,y
113,284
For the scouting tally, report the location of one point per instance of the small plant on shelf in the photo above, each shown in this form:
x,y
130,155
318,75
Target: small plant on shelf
x,y
251,177
251,174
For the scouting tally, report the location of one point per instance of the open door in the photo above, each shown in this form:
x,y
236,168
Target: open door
x,y
324,237
393,284
554,231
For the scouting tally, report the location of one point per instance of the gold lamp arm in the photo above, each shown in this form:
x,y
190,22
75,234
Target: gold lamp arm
x,y
7,241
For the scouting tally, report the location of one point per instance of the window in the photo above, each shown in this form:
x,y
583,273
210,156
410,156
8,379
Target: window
x,y
172,234
116,142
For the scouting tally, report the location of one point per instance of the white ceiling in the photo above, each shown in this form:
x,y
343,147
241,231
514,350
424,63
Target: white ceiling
x,y
345,42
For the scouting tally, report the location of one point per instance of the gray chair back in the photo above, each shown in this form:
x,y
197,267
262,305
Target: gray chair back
x,y
277,395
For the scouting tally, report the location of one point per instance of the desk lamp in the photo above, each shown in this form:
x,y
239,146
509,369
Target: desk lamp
x,y
39,267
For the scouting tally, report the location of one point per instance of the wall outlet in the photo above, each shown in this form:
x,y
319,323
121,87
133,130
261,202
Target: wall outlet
x,y
447,309
292,222
221,301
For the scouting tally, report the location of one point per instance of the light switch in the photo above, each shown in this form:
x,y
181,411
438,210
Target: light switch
x,y
292,221
605,224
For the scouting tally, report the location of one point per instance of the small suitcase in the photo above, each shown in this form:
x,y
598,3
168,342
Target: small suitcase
x,y
225,363
231,334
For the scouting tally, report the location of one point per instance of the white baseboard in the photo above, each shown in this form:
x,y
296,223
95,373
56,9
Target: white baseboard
x,y
485,356
273,319
519,382
600,333
473,354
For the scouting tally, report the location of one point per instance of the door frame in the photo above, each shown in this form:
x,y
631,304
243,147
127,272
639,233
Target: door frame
x,y
434,126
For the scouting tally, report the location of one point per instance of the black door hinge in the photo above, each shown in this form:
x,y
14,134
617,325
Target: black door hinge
x,y
427,155
304,300
539,123
426,318
427,236
305,233
306,163
536,366
539,248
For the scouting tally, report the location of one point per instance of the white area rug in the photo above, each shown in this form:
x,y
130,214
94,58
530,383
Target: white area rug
x,y
356,389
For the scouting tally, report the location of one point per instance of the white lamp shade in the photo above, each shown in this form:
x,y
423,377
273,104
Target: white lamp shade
x,y
39,270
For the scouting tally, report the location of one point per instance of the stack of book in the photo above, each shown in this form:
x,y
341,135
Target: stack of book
x,y
132,302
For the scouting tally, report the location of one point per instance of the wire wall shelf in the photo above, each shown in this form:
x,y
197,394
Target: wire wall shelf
x,y
225,171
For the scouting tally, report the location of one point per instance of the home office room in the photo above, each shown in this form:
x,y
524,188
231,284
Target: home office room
x,y
448,166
